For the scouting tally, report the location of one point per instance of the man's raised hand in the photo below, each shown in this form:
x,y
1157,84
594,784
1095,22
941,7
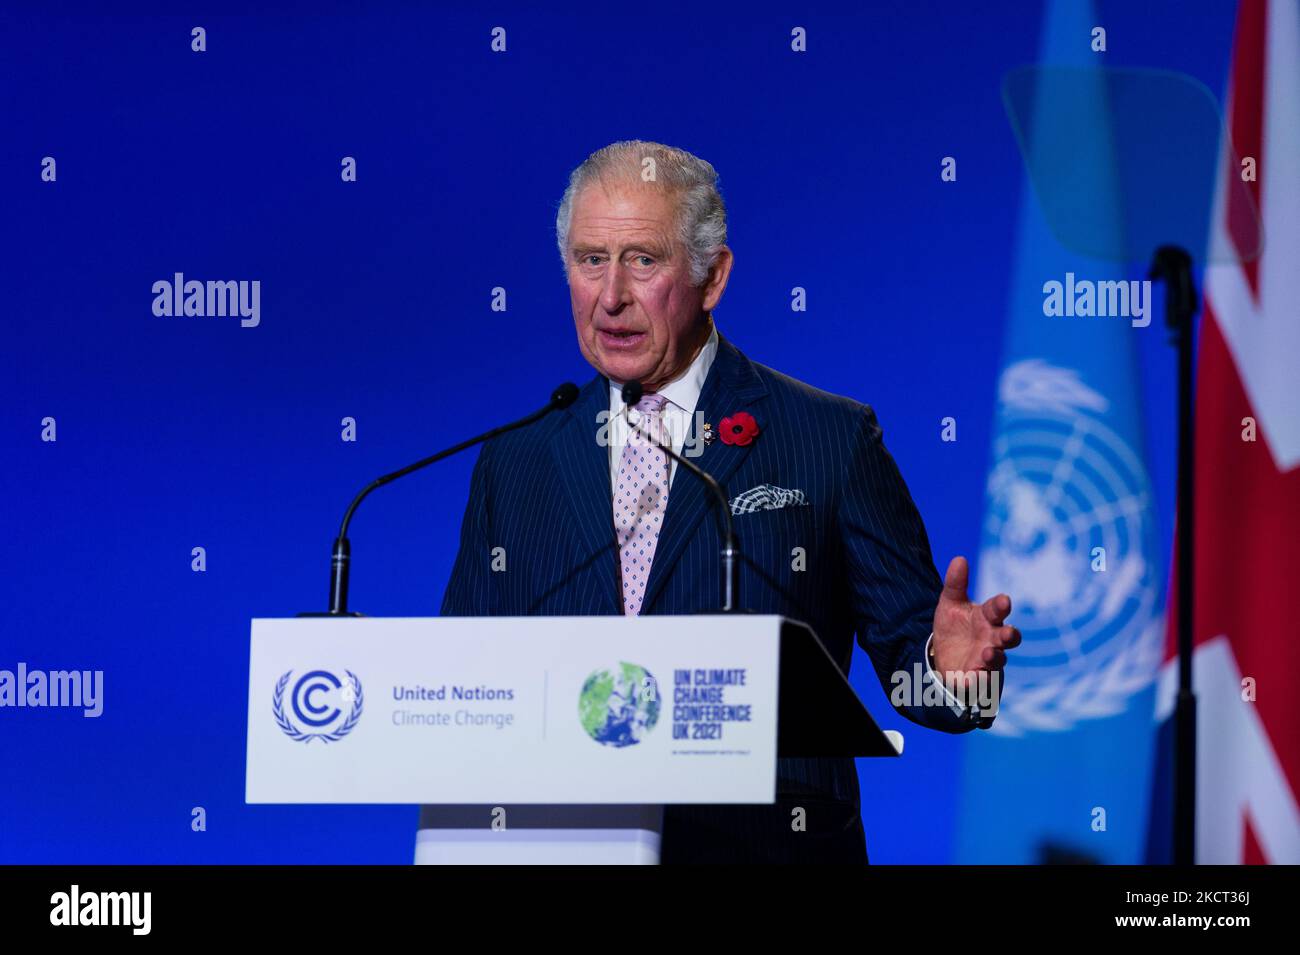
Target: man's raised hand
x,y
969,637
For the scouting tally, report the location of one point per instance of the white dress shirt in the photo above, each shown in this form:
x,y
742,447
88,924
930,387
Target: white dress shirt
x,y
682,395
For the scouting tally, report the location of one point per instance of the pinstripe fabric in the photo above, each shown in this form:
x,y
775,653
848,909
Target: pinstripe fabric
x,y
543,494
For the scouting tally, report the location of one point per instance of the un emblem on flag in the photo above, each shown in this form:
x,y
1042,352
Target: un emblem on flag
x,y
1068,532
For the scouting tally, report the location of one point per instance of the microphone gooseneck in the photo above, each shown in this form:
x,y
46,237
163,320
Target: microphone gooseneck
x,y
632,394
340,563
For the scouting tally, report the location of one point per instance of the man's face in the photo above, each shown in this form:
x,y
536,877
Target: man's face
x,y
637,314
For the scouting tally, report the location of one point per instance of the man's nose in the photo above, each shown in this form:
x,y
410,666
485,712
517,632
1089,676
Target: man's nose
x,y
613,289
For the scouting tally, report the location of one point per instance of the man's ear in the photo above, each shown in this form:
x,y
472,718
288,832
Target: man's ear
x,y
716,283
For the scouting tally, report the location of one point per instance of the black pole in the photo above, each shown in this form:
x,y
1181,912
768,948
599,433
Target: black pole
x,y
1174,266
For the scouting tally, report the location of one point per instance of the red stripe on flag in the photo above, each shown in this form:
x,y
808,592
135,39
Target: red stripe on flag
x,y
1246,113
1252,852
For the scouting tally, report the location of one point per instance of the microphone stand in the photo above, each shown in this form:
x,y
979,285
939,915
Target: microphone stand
x,y
340,563
632,392
1174,266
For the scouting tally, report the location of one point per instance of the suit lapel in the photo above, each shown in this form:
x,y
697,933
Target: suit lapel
x,y
583,464
732,385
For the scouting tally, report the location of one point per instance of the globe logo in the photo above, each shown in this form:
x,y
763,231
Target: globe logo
x,y
619,705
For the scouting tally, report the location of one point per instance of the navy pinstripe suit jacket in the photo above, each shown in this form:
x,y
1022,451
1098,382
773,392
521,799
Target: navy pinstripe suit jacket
x,y
543,494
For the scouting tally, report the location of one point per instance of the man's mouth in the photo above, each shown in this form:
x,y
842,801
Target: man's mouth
x,y
620,338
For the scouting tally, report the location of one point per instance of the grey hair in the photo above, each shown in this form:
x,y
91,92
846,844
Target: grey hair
x,y
701,214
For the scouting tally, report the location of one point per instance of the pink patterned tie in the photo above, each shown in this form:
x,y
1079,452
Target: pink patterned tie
x,y
640,499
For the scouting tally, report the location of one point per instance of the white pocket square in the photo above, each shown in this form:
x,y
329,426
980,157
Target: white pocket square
x,y
767,497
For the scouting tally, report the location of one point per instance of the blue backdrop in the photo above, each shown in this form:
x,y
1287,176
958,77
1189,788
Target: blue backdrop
x,y
176,433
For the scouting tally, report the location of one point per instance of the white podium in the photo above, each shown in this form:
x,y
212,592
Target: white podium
x,y
542,739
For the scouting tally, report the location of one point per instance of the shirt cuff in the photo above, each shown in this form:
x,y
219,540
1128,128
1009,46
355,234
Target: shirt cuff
x,y
952,702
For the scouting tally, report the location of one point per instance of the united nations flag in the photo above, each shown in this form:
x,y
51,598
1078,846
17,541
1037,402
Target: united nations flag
x,y
1070,523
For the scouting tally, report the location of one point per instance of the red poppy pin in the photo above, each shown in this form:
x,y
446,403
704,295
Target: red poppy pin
x,y
740,429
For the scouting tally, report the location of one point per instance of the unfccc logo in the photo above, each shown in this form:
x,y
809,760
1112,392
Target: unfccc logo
x,y
314,702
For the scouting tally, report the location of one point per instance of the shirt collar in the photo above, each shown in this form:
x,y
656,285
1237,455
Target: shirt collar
x,y
683,391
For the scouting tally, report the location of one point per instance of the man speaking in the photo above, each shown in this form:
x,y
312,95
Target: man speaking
x,y
596,519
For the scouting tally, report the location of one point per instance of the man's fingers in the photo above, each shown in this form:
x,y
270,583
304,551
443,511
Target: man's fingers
x,y
954,581
993,658
1007,638
996,609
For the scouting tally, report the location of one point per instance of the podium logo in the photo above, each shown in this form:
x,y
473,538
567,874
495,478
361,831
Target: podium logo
x,y
619,705
320,701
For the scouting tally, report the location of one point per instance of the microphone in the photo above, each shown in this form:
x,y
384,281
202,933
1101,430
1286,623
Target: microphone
x,y
632,392
562,397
